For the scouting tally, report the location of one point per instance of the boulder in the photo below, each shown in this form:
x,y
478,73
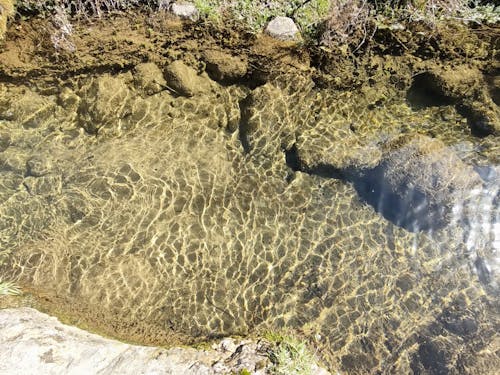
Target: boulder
x,y
32,342
103,103
224,67
461,85
184,79
282,28
185,10
420,163
148,78
456,82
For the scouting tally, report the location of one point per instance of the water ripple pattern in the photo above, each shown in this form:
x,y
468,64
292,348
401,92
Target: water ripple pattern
x,y
166,219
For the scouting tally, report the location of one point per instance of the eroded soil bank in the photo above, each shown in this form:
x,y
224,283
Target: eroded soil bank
x,y
168,183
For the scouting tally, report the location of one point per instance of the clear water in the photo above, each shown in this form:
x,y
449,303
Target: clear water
x,y
373,231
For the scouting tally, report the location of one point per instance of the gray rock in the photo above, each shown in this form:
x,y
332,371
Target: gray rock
x,y
34,343
282,28
185,11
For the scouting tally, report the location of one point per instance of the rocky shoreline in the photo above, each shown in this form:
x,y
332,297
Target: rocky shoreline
x,y
33,342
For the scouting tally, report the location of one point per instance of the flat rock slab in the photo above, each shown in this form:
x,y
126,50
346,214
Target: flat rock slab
x,y
35,343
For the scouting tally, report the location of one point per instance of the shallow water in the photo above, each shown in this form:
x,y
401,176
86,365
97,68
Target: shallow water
x,y
239,211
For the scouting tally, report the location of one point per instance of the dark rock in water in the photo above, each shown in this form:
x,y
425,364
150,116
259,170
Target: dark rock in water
x,y
430,359
424,164
482,115
148,78
223,67
495,89
458,323
184,79
4,140
417,183
38,166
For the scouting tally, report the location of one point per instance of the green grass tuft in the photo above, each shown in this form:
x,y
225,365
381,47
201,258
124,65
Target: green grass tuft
x,y
289,355
8,288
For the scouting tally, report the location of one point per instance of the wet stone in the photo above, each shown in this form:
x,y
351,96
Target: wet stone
x,y
184,79
149,78
68,99
4,140
103,104
38,166
225,67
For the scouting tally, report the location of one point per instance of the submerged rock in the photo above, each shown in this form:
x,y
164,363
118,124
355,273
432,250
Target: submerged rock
x,y
225,67
417,162
184,79
457,82
282,28
38,166
68,99
185,10
45,185
149,78
461,85
30,109
103,104
4,140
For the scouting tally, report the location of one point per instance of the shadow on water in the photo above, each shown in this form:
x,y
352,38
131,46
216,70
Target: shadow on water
x,y
407,208
424,93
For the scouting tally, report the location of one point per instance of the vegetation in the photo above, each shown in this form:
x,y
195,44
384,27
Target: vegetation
x,y
341,17
8,288
289,355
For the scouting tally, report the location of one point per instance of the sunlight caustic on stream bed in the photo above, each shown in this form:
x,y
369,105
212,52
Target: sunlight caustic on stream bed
x,y
165,218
